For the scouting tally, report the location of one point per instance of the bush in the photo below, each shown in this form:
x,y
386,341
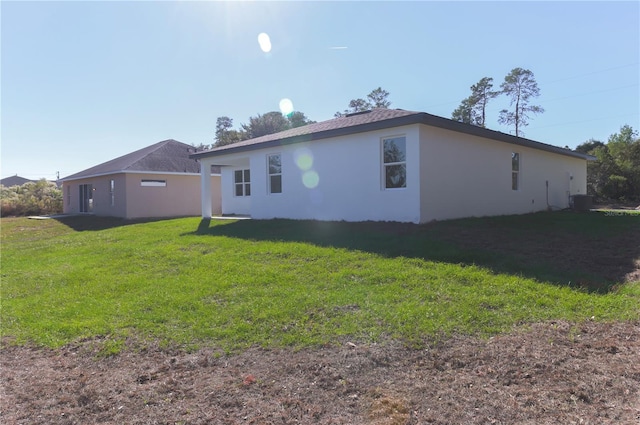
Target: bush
x,y
615,174
33,198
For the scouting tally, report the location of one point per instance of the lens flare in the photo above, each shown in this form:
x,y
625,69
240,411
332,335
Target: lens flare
x,y
310,179
303,158
265,42
286,106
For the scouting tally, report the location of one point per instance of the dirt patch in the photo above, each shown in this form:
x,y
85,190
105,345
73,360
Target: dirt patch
x,y
542,374
617,206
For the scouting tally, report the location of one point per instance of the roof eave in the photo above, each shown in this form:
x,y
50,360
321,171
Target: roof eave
x,y
474,130
326,134
418,118
110,173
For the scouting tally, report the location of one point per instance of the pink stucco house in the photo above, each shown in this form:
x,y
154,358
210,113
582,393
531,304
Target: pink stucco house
x,y
160,180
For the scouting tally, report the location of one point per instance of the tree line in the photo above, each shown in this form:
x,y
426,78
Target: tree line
x,y
519,86
259,125
275,121
378,98
615,174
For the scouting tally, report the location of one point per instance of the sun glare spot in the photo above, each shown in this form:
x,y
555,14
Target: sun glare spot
x,y
286,106
303,158
264,41
310,179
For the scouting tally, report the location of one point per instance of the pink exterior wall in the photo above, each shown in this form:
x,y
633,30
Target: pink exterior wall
x,y
101,195
466,176
180,196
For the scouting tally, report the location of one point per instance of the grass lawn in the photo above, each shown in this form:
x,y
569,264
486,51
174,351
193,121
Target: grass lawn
x,y
234,284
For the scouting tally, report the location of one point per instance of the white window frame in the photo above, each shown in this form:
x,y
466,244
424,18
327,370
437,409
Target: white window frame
x,y
516,158
244,184
112,191
270,174
153,183
384,164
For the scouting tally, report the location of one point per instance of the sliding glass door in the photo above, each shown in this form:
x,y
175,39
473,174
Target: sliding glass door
x,y
86,198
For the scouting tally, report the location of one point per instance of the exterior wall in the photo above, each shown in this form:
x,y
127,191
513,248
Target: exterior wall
x,y
464,176
449,175
240,205
101,195
180,197
336,179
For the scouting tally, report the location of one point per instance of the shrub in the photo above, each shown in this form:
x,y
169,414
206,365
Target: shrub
x,y
33,198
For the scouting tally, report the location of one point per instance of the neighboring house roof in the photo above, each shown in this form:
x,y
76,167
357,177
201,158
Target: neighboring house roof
x,y
376,119
14,181
168,156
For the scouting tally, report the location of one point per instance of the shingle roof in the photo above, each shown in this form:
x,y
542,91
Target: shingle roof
x,y
14,181
169,156
376,119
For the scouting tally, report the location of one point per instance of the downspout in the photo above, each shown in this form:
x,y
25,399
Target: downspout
x,y
548,206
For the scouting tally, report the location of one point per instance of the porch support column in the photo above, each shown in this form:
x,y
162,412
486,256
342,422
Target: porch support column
x,y
205,188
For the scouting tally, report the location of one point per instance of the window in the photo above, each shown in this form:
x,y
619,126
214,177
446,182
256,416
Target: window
x,y
112,193
274,163
242,181
68,195
515,171
394,156
151,183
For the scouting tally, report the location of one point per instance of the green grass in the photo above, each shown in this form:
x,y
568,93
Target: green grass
x,y
234,284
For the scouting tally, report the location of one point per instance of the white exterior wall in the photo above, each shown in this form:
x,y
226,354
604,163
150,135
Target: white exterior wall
x,y
234,204
464,176
349,187
449,175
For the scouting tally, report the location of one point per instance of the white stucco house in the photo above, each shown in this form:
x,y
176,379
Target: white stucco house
x,y
391,165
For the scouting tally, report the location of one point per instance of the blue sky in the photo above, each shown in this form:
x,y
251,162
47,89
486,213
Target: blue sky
x,y
85,82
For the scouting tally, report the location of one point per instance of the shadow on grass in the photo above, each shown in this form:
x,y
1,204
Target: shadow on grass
x,y
82,223
591,251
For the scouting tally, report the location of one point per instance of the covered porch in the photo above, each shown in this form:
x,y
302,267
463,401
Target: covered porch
x,y
235,187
